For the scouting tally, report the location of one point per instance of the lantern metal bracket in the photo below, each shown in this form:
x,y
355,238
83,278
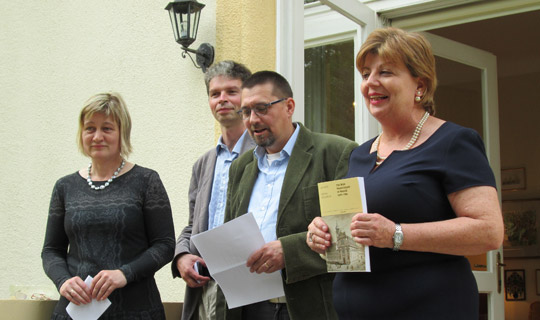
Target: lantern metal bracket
x,y
204,56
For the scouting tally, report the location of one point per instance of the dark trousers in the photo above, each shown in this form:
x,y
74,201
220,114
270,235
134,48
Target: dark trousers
x,y
265,311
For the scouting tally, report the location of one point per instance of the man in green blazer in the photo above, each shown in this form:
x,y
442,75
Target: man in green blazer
x,y
277,182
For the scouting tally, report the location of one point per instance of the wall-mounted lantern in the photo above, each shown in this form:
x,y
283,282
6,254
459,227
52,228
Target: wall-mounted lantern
x,y
185,15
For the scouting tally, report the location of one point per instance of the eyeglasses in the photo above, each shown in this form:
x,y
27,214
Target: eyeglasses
x,y
260,109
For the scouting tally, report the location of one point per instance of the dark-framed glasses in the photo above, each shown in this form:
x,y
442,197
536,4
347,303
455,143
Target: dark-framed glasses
x,y
260,109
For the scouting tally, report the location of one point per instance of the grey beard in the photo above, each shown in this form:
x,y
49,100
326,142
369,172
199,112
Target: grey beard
x,y
266,142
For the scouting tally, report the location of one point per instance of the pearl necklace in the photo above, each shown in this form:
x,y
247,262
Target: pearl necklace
x,y
414,137
103,186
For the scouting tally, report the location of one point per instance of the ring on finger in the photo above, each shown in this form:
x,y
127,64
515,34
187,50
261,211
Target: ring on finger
x,y
310,237
266,265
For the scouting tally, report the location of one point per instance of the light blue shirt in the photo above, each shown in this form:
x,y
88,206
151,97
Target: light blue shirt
x,y
216,208
265,196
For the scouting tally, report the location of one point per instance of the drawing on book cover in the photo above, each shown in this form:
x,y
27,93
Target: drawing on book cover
x,y
345,255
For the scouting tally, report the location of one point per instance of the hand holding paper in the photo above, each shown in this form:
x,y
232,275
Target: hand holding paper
x,y
267,259
226,249
89,311
105,282
76,291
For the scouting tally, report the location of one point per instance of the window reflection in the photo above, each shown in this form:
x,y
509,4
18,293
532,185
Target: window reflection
x,y
329,88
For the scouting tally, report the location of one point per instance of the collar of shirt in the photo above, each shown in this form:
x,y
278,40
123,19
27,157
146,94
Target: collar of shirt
x,y
237,147
216,207
265,196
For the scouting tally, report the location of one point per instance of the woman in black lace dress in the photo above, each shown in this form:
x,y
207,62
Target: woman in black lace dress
x,y
111,220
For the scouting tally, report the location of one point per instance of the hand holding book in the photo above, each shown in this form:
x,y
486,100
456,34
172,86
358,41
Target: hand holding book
x,y
330,235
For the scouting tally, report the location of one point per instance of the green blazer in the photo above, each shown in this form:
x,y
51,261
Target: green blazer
x,y
316,157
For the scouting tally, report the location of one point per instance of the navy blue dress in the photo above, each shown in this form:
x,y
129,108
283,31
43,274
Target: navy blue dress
x,y
412,187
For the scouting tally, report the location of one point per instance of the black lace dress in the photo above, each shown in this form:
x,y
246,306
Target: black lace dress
x,y
126,226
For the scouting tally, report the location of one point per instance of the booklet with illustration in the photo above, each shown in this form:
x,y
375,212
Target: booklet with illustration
x,y
340,200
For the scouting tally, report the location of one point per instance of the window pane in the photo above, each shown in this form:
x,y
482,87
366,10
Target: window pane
x,y
484,298
459,94
329,88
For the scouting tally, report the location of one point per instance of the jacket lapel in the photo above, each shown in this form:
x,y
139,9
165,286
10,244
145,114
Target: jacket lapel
x,y
206,190
298,164
249,176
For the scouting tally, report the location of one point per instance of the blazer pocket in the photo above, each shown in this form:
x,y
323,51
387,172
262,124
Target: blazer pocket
x,y
312,207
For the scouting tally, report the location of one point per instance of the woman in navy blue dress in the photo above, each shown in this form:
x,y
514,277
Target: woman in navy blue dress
x,y
430,193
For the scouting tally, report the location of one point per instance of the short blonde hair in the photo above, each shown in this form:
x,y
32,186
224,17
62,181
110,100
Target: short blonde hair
x,y
110,104
396,45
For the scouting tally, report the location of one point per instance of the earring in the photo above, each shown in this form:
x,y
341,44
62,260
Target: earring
x,y
418,96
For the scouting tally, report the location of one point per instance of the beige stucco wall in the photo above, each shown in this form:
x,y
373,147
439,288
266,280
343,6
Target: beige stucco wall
x,y
55,55
246,32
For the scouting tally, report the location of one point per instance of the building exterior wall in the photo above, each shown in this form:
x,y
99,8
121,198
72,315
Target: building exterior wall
x,y
246,33
54,56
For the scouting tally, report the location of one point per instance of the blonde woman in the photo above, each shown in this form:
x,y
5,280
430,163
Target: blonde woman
x,y
110,220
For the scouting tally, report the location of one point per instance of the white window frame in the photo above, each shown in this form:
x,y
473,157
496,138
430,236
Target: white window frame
x,y
314,25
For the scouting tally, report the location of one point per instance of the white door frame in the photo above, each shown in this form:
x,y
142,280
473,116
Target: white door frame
x,y
290,49
487,64
365,19
423,15
307,30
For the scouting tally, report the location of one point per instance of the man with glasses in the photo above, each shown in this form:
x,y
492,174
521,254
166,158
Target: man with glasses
x,y
208,188
277,182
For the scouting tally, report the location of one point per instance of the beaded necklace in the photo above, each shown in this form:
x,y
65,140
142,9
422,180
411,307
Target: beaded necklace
x,y
414,137
103,186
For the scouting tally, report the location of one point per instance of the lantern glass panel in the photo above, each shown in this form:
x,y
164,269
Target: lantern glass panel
x,y
195,26
184,15
174,25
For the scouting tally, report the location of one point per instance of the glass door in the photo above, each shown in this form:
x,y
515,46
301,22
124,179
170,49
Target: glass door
x,y
329,88
333,33
467,95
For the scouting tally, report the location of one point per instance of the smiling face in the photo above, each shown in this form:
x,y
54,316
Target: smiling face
x,y
388,88
101,137
224,96
272,130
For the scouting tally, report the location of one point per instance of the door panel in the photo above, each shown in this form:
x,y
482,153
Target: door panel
x,y
329,88
467,95
325,26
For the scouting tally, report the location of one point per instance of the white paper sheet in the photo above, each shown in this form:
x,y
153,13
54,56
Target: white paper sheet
x,y
89,311
225,250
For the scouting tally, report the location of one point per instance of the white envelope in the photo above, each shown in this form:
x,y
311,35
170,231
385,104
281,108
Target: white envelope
x,y
89,311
